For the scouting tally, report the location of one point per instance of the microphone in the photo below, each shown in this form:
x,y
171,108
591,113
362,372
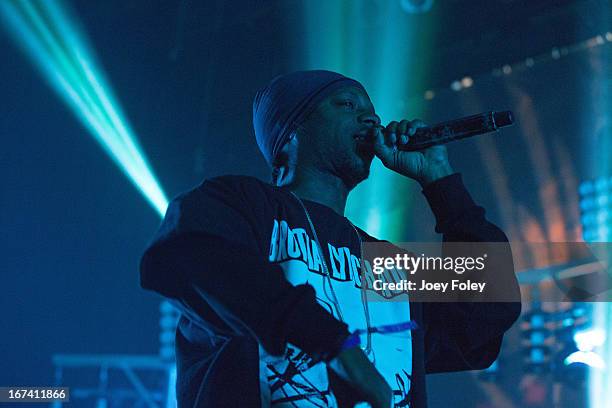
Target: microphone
x,y
457,129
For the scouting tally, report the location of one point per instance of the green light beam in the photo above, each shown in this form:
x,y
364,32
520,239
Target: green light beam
x,y
375,45
56,46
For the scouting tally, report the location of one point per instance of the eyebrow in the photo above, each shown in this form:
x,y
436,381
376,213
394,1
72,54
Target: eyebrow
x,y
348,91
356,95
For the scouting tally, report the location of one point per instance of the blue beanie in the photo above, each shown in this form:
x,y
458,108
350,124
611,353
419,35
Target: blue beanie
x,y
282,106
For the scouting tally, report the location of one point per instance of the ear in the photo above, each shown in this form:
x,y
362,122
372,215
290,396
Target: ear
x,y
283,168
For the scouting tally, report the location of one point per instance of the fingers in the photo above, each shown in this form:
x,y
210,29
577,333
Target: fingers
x,y
417,123
391,133
399,133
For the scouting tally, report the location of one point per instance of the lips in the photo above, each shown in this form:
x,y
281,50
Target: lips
x,y
363,136
364,144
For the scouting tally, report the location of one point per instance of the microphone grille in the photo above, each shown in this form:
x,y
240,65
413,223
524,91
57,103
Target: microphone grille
x,y
505,118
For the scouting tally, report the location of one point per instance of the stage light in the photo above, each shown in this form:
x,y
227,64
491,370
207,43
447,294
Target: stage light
x,y
53,41
555,53
507,69
466,82
602,184
587,358
597,40
168,320
596,224
595,209
537,340
589,339
603,216
602,200
456,86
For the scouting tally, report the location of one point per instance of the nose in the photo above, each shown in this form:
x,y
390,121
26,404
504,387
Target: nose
x,y
371,119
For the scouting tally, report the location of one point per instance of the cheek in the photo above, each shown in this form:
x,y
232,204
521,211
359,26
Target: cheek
x,y
324,145
334,139
343,133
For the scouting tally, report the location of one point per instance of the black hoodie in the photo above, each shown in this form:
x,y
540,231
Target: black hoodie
x,y
255,332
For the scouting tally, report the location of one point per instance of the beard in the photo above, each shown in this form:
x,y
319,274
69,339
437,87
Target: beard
x,y
354,166
346,158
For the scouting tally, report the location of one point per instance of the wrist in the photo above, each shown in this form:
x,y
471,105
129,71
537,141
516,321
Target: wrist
x,y
353,340
434,173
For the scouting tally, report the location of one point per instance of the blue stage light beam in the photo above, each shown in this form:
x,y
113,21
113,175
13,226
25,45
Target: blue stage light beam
x,y
52,39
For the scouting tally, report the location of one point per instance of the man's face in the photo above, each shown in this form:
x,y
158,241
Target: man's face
x,y
334,135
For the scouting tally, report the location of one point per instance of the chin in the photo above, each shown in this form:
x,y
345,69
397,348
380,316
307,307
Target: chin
x,y
358,171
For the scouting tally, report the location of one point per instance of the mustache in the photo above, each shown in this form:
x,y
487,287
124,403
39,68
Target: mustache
x,y
366,133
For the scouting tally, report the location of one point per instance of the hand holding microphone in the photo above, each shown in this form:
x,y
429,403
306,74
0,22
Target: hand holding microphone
x,y
423,166
415,150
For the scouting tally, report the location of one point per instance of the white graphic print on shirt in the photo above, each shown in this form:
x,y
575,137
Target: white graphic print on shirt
x,y
293,380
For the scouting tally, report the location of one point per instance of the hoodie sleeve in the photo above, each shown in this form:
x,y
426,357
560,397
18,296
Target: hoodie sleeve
x,y
207,257
468,335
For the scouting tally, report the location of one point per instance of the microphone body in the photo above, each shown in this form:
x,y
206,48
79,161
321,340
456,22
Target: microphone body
x,y
457,129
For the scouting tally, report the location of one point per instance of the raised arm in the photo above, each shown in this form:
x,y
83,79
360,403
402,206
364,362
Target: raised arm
x,y
468,335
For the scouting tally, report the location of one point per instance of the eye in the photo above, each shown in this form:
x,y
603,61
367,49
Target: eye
x,y
349,104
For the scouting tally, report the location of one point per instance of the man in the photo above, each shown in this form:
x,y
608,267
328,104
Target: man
x,y
267,276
